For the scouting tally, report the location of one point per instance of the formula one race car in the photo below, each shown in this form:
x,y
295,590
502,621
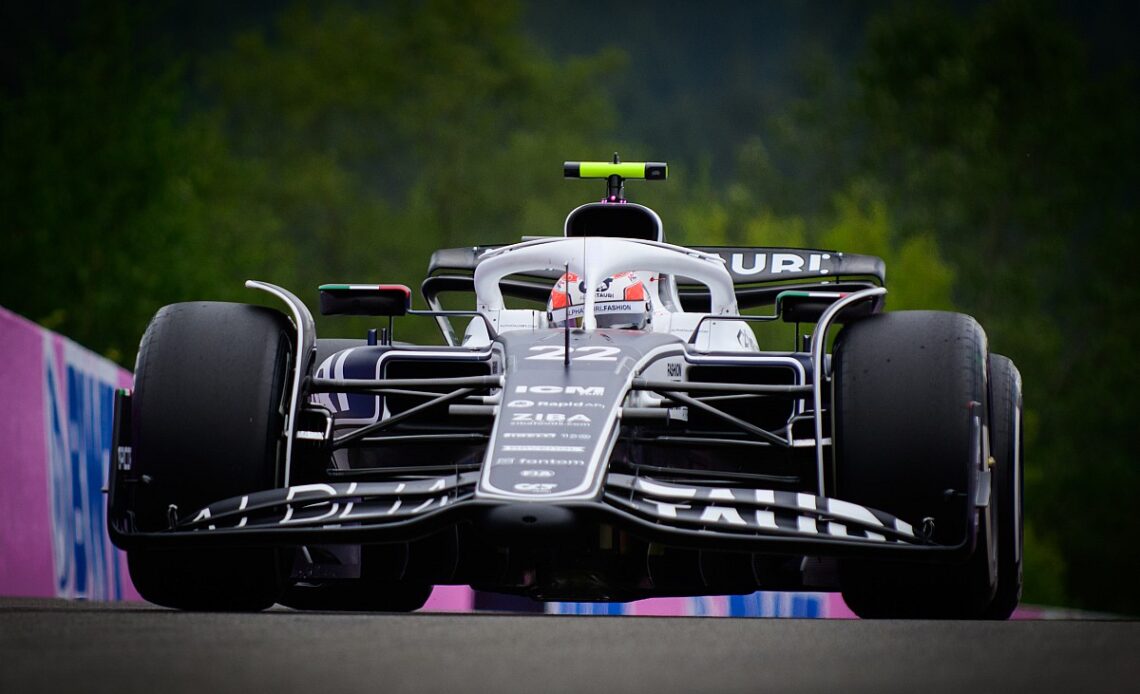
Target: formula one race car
x,y
603,425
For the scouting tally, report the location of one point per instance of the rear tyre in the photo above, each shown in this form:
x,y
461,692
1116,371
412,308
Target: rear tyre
x,y
1006,448
208,411
908,402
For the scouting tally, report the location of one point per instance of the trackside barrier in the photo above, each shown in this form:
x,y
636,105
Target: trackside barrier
x,y
56,406
758,604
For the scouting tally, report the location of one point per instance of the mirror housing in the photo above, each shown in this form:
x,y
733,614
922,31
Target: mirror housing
x,y
365,299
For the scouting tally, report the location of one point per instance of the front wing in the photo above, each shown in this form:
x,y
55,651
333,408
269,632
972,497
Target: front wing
x,y
744,519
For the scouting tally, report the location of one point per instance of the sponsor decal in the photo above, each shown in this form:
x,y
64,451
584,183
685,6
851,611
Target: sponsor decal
x,y
798,512
549,417
790,263
521,403
539,487
545,449
570,404
323,504
537,473
673,370
561,315
531,435
586,391
79,389
530,423
551,461
124,457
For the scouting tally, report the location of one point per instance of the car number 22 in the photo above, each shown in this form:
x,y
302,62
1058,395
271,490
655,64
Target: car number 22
x,y
588,353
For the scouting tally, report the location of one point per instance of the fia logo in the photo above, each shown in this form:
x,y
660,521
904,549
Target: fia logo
x,y
539,487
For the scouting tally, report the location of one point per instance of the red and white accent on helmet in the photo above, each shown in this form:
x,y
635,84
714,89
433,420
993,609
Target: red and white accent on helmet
x,y
619,302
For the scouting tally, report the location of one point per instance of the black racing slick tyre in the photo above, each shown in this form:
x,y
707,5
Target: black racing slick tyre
x,y
208,412
1007,451
909,399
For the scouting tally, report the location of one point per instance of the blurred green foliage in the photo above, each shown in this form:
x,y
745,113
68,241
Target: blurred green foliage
x,y
115,200
982,154
345,148
389,133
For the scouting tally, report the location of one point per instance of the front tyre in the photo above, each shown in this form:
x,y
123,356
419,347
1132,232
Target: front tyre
x,y
909,400
208,412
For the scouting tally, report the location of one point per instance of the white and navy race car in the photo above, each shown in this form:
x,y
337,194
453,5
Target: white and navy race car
x,y
600,424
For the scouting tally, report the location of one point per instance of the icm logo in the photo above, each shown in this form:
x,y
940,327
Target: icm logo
x,y
540,487
781,263
589,391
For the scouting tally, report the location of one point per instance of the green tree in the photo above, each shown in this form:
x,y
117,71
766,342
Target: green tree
x,y
345,144
388,132
115,202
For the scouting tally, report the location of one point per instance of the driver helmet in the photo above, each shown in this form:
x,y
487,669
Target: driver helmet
x,y
620,301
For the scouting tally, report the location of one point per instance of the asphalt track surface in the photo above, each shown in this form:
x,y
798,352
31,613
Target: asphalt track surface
x,y
58,646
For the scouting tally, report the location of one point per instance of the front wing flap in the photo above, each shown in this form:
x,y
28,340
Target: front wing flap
x,y
748,519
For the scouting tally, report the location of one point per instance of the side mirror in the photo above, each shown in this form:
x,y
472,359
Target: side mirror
x,y
808,306
365,300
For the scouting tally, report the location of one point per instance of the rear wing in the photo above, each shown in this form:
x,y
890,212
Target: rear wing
x,y
762,265
758,274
